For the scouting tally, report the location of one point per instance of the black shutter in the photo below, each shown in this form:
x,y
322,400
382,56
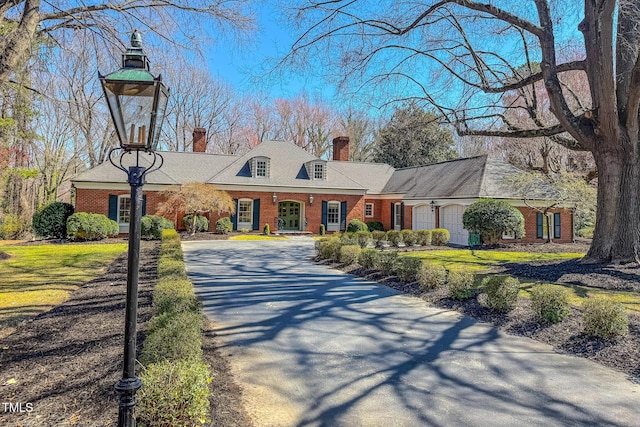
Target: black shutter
x,y
402,216
234,217
539,225
144,204
325,213
113,207
556,225
343,216
256,214
393,216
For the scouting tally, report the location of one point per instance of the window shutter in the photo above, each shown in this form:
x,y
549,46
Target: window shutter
x,y
113,207
556,225
234,217
402,216
393,215
539,225
256,214
325,213
144,204
343,216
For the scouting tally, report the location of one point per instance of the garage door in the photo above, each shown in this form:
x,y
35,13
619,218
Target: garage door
x,y
423,218
451,219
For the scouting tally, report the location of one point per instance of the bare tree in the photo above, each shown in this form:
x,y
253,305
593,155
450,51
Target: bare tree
x,y
461,57
360,129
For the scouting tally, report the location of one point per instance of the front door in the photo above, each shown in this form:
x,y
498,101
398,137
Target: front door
x,y
289,216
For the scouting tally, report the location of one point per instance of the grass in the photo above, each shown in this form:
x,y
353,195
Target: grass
x,y
257,237
480,262
36,278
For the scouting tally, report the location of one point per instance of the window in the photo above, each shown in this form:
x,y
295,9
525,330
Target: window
x,y
397,225
124,209
261,168
244,211
368,209
318,171
333,216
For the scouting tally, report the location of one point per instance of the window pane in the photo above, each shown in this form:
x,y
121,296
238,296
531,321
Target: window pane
x,y
318,171
124,209
368,209
261,168
333,213
244,211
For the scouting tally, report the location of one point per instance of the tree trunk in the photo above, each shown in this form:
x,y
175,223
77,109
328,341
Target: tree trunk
x,y
616,237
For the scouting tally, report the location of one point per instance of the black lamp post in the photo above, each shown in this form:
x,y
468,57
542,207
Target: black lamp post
x,y
137,101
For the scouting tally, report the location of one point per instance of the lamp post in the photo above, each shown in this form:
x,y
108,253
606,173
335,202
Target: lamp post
x,y
137,101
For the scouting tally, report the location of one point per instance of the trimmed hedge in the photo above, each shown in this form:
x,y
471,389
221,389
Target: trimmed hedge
x,y
151,226
408,268
356,225
88,226
604,318
51,220
432,275
375,226
394,237
378,237
409,237
387,262
363,238
423,237
440,236
349,254
502,292
550,303
461,284
368,258
224,225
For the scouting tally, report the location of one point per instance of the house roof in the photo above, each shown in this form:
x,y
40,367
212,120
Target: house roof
x,y
455,179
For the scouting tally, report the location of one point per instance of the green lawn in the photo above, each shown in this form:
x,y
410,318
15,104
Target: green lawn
x,y
483,263
36,278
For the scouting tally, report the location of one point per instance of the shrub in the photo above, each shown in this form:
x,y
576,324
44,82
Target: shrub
x,y
387,262
502,292
51,220
202,223
409,237
356,225
368,258
492,219
604,318
174,296
440,236
460,284
329,248
432,275
244,230
224,225
11,227
173,268
174,394
586,232
151,226
266,230
363,238
408,268
87,226
423,237
173,336
378,236
550,303
375,226
348,238
394,237
349,254
323,230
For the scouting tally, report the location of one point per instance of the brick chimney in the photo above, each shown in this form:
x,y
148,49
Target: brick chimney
x,y
199,140
341,148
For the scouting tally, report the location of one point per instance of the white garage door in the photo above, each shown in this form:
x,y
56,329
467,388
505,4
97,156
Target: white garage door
x,y
451,219
423,218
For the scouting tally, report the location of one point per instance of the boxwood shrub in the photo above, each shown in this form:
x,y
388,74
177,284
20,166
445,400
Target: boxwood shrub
x,y
202,223
501,292
387,262
368,258
408,268
375,225
423,237
88,226
151,226
356,225
378,237
363,237
409,237
394,237
604,318
349,254
431,275
51,220
461,284
440,236
550,303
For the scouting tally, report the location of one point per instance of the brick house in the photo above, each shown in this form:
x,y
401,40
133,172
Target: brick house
x,y
281,184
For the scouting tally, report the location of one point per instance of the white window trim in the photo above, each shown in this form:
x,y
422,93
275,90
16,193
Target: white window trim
x,y
366,205
397,216
333,226
249,224
123,226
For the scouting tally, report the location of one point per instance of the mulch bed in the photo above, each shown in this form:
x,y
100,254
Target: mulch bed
x,y
622,353
65,362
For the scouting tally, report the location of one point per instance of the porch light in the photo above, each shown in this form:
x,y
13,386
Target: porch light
x,y
275,198
433,206
137,100
310,199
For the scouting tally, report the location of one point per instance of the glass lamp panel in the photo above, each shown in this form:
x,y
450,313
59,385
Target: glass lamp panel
x,y
132,115
161,107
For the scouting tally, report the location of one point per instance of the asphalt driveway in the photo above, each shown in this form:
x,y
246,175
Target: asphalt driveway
x,y
312,346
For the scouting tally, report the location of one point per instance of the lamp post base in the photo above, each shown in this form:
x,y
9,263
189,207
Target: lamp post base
x,y
127,388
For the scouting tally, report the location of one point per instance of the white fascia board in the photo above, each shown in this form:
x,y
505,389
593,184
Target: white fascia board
x,y
468,201
288,189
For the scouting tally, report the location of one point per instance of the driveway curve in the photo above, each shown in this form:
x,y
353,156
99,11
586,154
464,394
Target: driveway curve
x,y
312,346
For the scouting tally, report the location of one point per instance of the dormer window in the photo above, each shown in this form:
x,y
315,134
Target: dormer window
x,y
318,171
260,167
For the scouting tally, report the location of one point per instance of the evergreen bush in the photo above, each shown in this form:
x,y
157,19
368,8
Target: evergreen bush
x,y
323,230
11,227
492,219
266,230
368,258
151,226
349,254
408,268
51,220
375,226
202,223
550,303
440,236
460,284
409,237
423,237
356,225
88,226
394,237
431,276
378,237
604,318
363,237
502,292
387,262
224,225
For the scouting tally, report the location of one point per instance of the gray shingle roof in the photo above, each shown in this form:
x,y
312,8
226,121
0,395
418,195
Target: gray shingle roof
x,y
456,179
